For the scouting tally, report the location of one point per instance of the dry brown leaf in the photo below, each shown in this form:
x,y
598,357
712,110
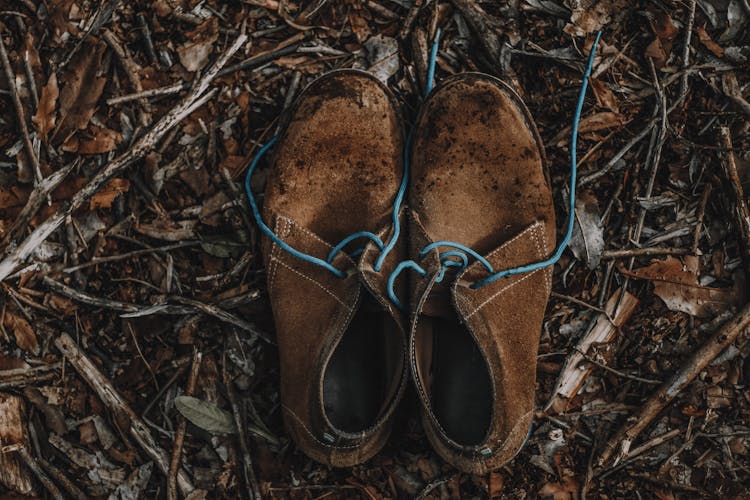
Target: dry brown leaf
x,y
708,42
58,20
82,89
97,140
663,26
600,121
107,195
565,490
605,97
592,15
495,485
13,196
21,329
359,25
234,164
659,51
592,123
195,53
677,285
45,117
62,304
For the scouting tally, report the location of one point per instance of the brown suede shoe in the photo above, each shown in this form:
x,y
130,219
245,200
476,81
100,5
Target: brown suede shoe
x,y
336,170
478,178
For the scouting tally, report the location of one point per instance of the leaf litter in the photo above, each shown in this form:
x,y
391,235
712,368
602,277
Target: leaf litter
x,y
162,260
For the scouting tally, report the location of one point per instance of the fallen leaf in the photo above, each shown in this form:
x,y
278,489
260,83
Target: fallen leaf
x,y
604,96
97,140
103,474
107,195
197,495
719,397
22,331
58,21
600,121
737,19
382,54
12,196
708,42
565,490
359,24
663,26
587,243
677,285
205,415
211,212
45,117
83,87
592,123
61,304
659,51
292,62
592,15
495,485
234,164
195,53
132,488
53,415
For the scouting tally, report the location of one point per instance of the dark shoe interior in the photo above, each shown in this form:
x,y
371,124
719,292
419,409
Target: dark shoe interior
x,y
364,369
461,391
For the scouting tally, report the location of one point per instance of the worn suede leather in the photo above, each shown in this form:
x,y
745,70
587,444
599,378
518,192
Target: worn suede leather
x,y
479,178
336,170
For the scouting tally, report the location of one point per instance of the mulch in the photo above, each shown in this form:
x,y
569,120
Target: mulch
x,y
137,354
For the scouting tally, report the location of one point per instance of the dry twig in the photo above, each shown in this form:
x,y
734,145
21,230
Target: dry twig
x,y
618,447
195,98
179,437
112,399
10,77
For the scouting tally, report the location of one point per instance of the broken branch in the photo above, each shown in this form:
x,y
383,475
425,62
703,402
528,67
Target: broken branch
x,y
193,100
619,445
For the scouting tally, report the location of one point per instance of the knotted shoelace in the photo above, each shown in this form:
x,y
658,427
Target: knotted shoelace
x,y
456,250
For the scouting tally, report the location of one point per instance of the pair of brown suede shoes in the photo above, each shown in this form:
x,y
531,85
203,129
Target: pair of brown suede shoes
x,y
476,175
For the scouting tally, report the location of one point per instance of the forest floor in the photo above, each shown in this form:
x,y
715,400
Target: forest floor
x,y
134,321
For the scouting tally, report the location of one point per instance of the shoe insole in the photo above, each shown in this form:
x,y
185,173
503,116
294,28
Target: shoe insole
x,y
461,388
356,378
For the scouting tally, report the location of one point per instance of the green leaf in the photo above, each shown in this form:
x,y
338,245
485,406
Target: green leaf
x,y
205,415
225,246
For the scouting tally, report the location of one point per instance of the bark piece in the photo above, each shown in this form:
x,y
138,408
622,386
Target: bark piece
x,y
619,446
13,475
573,375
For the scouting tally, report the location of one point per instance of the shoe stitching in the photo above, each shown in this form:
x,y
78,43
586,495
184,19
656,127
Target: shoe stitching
x,y
433,418
321,443
540,254
533,227
511,435
547,270
502,290
540,248
275,257
298,227
329,292
366,277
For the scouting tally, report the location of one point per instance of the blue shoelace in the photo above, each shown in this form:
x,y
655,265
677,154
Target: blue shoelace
x,y
458,251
